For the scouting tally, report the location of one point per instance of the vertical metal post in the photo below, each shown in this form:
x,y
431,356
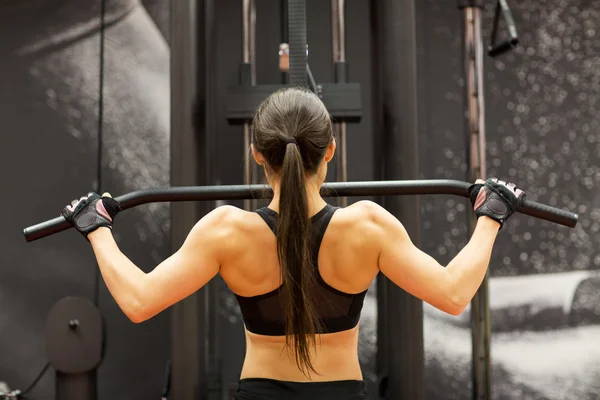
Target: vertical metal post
x,y
82,386
338,25
248,35
207,163
285,38
252,41
403,313
249,57
381,366
74,342
476,161
192,55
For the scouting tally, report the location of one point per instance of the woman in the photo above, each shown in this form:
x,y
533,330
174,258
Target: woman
x,y
300,268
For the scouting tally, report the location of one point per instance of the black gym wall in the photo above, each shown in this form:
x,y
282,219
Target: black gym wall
x,y
542,132
49,74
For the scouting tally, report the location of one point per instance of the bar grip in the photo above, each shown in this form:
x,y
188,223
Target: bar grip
x,y
506,46
549,213
494,49
46,228
333,189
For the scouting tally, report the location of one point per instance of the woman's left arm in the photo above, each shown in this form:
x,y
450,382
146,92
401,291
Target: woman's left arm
x,y
143,295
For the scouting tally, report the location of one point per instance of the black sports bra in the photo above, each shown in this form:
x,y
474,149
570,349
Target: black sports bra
x,y
337,311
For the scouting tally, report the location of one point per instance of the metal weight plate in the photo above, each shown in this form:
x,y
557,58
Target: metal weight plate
x,y
74,336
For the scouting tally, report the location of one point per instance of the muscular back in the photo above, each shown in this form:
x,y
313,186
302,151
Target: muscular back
x,y
347,262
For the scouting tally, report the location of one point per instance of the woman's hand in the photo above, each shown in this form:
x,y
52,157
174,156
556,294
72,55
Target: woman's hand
x,y
495,199
92,212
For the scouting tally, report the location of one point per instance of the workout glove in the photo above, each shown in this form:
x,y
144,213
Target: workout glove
x,y
495,199
91,212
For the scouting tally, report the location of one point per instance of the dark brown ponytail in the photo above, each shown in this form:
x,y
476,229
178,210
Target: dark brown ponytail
x,y
293,251
292,130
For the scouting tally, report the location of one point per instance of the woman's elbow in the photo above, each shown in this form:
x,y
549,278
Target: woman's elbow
x,y
455,306
137,313
455,309
455,302
136,318
449,306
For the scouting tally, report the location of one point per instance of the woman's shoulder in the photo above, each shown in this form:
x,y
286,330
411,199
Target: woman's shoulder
x,y
364,217
239,224
364,210
234,230
232,216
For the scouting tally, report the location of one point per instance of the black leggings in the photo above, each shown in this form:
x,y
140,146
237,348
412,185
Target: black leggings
x,y
270,389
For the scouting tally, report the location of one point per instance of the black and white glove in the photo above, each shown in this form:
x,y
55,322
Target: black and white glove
x,y
495,199
91,212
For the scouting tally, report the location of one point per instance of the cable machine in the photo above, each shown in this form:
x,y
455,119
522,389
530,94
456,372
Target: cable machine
x,y
342,99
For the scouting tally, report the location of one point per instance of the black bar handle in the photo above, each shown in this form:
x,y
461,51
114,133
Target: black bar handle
x,y
504,47
333,189
495,49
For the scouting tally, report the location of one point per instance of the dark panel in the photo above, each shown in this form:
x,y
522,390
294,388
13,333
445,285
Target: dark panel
x,y
191,157
49,65
403,315
343,101
229,145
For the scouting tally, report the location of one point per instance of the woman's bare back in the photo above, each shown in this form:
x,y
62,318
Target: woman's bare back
x,y
347,262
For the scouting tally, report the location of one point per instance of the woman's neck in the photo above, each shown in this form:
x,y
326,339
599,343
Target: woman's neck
x,y
313,195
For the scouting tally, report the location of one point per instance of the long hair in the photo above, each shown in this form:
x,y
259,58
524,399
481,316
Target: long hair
x,y
294,113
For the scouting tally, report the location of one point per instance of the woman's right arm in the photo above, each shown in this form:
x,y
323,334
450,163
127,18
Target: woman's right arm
x,y
449,288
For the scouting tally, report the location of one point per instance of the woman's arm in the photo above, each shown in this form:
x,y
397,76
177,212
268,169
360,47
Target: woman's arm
x,y
450,288
141,296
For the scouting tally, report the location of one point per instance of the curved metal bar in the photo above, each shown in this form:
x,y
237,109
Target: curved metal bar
x,y
334,189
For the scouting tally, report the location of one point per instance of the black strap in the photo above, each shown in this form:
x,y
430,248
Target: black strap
x,y
297,38
269,216
320,223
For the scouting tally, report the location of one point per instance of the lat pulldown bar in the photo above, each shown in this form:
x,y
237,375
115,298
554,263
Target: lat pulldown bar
x,y
333,189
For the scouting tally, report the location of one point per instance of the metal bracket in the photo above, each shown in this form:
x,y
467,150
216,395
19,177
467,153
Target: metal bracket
x,y
343,100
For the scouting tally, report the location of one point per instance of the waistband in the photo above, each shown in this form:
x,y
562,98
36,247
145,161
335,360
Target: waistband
x,y
264,388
